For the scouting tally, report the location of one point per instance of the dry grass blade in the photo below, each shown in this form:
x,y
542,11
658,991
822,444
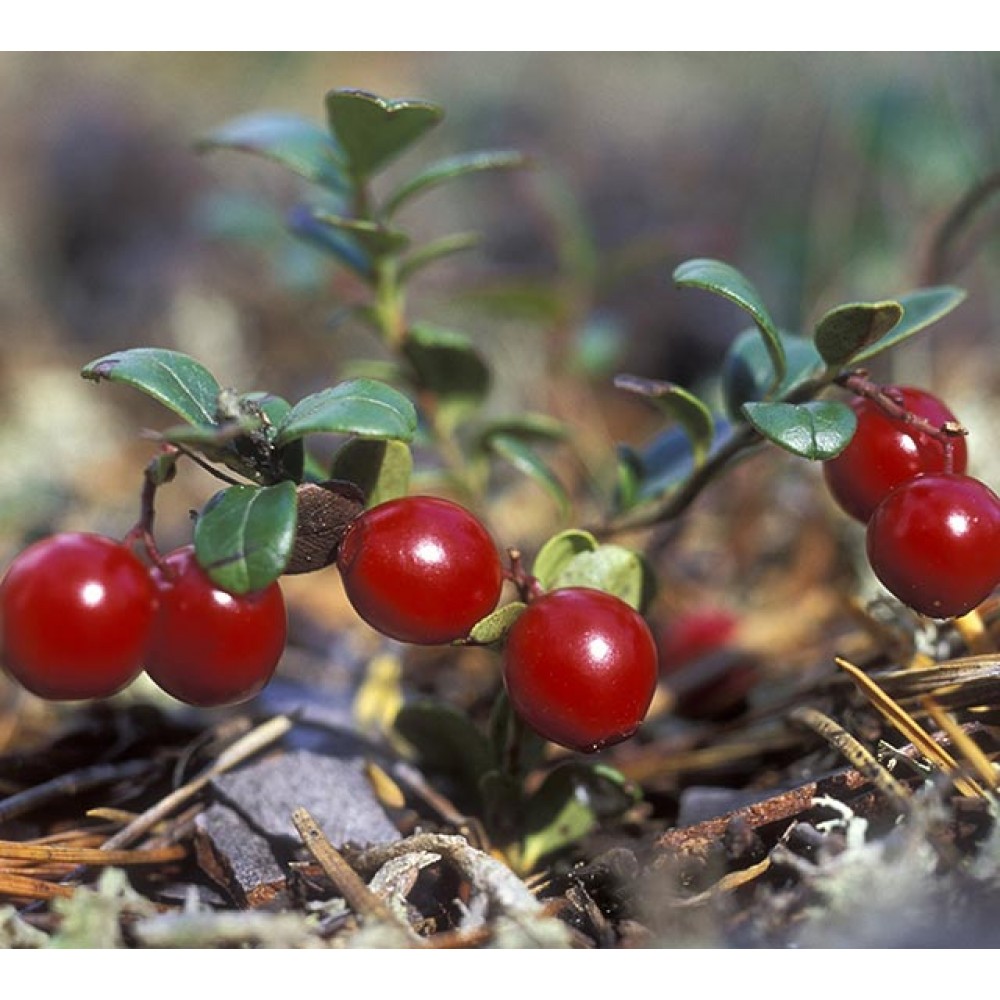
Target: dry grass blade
x,y
964,682
21,886
45,854
856,754
961,740
899,718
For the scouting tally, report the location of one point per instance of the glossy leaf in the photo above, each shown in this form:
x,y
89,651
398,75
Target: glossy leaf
x,y
611,568
558,552
445,739
380,468
844,331
374,239
540,428
677,404
362,407
572,800
447,363
747,370
449,169
302,222
245,535
921,308
519,453
177,381
372,130
430,253
494,626
301,145
723,279
817,430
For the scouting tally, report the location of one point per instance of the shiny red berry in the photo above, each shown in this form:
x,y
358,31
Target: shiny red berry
x,y
580,668
420,569
885,452
76,612
934,542
211,648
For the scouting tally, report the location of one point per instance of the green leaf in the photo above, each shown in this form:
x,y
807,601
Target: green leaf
x,y
380,468
540,428
244,536
817,430
447,364
747,370
445,739
302,223
450,168
724,280
294,142
558,552
572,800
611,568
374,239
921,308
844,331
492,629
524,458
358,406
430,253
372,130
678,404
174,379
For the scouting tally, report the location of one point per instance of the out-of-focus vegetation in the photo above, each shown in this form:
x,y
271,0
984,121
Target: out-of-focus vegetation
x,y
824,176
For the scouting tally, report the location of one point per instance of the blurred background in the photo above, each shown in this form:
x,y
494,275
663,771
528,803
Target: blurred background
x,y
824,177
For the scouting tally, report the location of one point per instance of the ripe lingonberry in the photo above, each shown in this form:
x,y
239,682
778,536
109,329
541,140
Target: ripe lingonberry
x,y
208,647
704,668
76,611
886,451
580,668
420,569
934,542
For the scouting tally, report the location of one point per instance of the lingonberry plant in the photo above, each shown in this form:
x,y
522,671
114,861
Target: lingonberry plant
x,y
577,664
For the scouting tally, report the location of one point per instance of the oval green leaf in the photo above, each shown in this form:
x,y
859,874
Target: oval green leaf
x,y
296,143
921,308
439,249
374,239
372,130
677,404
445,739
177,381
723,279
303,224
748,372
524,458
244,536
492,629
380,468
611,568
450,168
553,557
362,407
818,430
849,328
447,363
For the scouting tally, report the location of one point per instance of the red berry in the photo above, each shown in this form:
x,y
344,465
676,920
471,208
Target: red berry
x,y
420,569
76,611
934,542
580,668
704,668
885,452
209,647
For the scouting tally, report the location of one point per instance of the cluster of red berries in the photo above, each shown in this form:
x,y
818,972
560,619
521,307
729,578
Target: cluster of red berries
x,y
579,664
81,616
933,532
